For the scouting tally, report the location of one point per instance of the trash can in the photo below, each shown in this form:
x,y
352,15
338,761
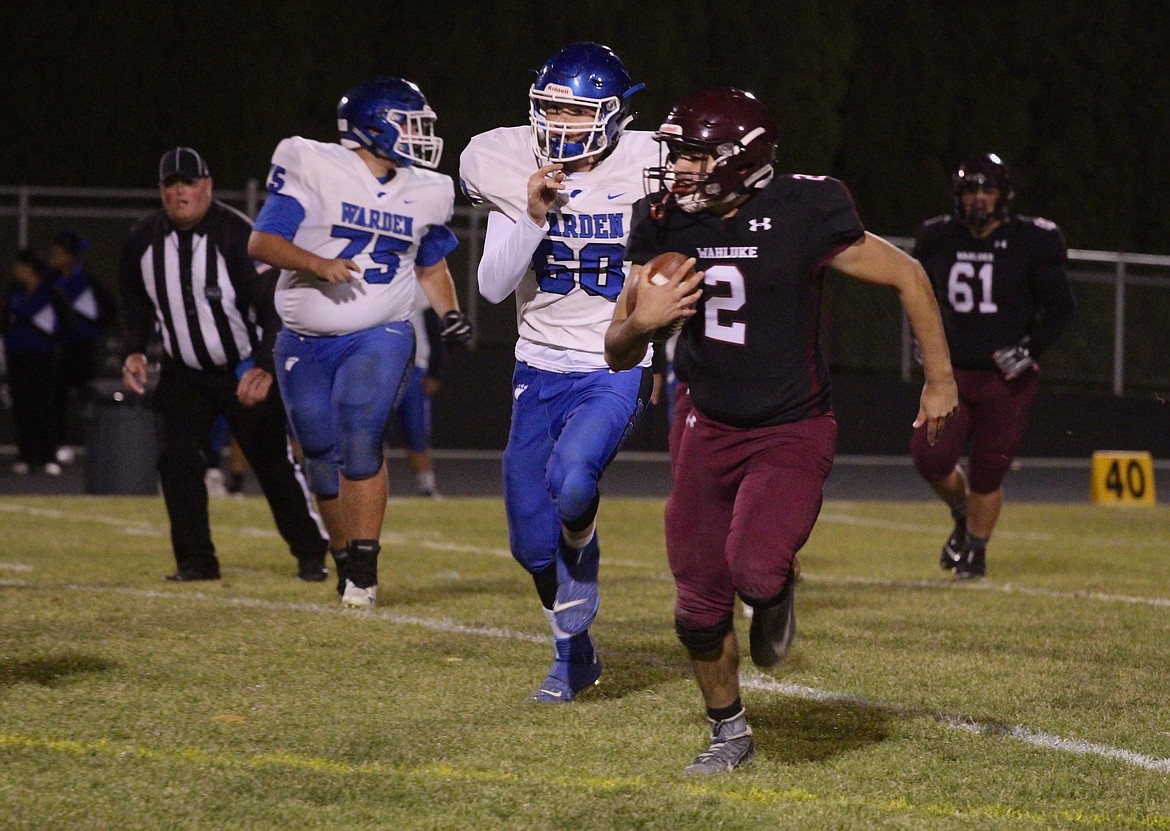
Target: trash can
x,y
121,452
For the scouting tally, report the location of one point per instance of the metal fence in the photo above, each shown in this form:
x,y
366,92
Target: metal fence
x,y
1121,344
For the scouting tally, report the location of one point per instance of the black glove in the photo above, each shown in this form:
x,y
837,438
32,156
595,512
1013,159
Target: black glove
x,y
1014,361
456,328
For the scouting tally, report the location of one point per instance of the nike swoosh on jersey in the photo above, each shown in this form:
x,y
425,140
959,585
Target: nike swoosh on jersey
x,y
560,607
616,195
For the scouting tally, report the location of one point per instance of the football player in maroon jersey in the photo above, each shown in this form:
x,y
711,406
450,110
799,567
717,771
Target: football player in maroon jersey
x,y
760,436
1005,297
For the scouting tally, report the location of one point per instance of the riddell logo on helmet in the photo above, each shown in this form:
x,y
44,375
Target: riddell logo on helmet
x,y
558,89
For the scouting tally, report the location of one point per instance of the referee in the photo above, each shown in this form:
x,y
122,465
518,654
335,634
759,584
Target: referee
x,y
185,273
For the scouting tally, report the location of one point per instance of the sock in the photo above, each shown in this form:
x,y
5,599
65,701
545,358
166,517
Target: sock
x,y
579,539
362,568
426,481
546,586
977,542
724,713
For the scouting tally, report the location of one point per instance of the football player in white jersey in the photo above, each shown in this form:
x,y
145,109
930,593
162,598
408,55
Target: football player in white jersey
x,y
357,228
561,192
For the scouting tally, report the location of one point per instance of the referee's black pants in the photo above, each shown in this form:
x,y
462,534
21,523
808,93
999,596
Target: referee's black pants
x,y
186,404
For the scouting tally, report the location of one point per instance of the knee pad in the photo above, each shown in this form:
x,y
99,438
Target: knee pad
x,y
708,639
323,477
574,494
985,477
363,457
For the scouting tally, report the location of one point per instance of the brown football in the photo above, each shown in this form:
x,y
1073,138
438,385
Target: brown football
x,y
658,270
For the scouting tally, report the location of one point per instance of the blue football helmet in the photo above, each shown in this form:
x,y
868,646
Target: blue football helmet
x,y
582,76
390,117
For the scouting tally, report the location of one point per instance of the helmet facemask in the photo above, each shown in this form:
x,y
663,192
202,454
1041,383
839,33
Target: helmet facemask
x,y
557,139
390,117
983,172
727,172
975,217
404,137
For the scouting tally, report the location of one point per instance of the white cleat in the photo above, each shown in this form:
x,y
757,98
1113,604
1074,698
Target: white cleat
x,y
355,597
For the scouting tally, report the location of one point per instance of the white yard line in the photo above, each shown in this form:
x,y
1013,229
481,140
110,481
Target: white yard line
x,y
1044,741
750,680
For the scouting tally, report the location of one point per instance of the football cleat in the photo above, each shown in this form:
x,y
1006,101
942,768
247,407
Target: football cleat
x,y
731,746
972,563
575,668
577,599
952,549
773,627
358,597
312,569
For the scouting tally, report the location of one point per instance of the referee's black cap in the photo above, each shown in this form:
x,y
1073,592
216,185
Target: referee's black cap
x,y
182,163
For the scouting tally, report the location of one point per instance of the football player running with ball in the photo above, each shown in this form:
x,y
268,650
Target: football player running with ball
x,y
1001,283
759,439
357,227
562,192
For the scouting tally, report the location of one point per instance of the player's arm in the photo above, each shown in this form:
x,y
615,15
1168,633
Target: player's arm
x,y
1051,287
874,260
436,283
271,242
508,246
631,329
434,277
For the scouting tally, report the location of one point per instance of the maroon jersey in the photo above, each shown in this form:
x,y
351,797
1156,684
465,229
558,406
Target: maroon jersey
x,y
995,291
751,354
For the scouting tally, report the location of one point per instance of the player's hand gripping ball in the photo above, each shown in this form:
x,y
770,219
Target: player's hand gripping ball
x,y
658,271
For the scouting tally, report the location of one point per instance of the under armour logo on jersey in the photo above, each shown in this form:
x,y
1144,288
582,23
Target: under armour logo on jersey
x,y
288,363
764,224
691,419
1001,243
519,391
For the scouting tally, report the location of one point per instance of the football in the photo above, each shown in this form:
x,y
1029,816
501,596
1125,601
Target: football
x,y
658,268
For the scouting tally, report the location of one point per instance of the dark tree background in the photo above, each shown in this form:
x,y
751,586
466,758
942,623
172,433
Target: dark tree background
x,y
889,96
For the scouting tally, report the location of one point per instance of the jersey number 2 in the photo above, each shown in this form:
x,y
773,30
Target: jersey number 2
x,y
734,331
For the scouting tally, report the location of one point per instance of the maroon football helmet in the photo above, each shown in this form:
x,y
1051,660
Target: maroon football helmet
x,y
983,170
728,125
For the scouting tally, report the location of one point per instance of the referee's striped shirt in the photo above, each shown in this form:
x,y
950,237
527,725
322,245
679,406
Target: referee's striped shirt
x,y
199,289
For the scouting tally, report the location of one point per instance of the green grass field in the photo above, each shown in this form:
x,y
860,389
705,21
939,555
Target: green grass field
x,y
1037,698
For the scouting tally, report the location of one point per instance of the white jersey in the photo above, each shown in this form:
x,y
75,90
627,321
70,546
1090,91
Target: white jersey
x,y
564,305
349,214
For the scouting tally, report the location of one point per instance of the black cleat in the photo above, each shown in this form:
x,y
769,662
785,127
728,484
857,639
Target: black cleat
x,y
953,548
972,563
773,627
184,576
312,569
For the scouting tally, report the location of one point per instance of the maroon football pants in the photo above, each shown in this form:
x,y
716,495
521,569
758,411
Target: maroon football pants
x,y
992,416
744,501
